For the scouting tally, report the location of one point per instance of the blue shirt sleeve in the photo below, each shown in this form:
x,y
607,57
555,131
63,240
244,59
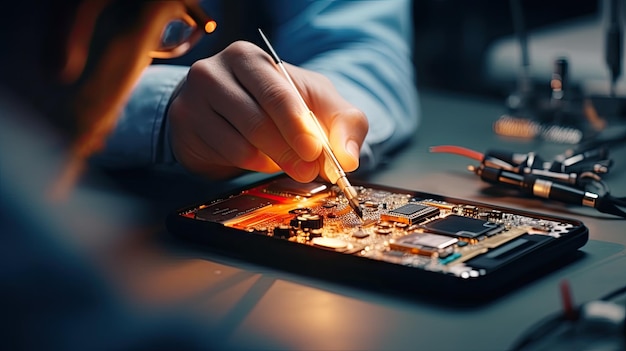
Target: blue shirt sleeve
x,y
140,138
363,47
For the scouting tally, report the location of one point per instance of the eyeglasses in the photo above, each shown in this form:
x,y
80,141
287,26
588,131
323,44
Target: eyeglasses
x,y
183,33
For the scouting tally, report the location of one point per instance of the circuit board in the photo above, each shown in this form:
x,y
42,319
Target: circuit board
x,y
426,232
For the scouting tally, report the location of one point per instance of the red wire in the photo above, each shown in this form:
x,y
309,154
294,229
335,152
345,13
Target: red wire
x,y
567,301
458,150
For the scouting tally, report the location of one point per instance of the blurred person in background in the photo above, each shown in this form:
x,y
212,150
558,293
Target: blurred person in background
x,y
68,70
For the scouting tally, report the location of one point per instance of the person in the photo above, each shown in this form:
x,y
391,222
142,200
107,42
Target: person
x,y
69,69
348,54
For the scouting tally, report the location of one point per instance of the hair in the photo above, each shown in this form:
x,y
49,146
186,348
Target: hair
x,y
31,31
33,52
33,34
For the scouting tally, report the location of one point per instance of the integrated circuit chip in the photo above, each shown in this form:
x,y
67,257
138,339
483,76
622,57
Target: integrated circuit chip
x,y
232,207
463,227
424,243
410,213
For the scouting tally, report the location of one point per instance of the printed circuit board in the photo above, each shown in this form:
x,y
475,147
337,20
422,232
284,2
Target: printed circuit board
x,y
405,228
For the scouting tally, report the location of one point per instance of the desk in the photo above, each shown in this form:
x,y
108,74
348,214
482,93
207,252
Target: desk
x,y
246,306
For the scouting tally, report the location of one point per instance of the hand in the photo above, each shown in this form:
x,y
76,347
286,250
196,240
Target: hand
x,y
236,111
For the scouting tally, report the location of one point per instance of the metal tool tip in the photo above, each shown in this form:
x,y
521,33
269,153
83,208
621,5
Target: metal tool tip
x,y
277,59
357,208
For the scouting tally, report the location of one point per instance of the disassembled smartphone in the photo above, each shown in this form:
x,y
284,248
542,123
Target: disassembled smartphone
x,y
407,242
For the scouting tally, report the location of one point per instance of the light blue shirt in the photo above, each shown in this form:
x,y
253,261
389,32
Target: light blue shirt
x,y
363,47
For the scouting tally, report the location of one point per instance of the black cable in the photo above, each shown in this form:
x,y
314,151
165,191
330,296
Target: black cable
x,y
609,204
572,179
548,189
552,322
539,331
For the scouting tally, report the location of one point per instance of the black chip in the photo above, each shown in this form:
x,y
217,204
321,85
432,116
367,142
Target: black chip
x,y
409,209
464,227
232,207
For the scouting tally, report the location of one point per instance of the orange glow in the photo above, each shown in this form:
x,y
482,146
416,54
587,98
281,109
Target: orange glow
x,y
210,26
80,33
556,84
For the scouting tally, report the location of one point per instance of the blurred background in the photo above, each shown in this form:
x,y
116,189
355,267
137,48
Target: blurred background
x,y
471,46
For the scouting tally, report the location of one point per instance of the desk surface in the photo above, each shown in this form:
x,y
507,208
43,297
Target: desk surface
x,y
246,306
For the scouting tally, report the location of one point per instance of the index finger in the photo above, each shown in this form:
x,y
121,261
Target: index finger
x,y
258,73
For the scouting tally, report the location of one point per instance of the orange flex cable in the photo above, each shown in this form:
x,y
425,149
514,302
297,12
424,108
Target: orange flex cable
x,y
458,150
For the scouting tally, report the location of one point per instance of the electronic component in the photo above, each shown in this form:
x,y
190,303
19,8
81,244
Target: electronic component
x,y
329,243
410,213
360,234
308,221
464,227
425,244
495,215
283,231
411,231
233,207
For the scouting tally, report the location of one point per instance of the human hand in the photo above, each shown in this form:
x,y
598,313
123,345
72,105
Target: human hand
x,y
236,111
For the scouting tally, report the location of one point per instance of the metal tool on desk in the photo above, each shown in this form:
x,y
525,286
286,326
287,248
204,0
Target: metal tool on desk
x,y
568,180
333,169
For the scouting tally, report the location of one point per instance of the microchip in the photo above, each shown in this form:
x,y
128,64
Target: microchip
x,y
288,187
410,213
233,207
463,227
423,243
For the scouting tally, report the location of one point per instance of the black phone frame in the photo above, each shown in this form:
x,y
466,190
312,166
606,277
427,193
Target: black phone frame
x,y
382,276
